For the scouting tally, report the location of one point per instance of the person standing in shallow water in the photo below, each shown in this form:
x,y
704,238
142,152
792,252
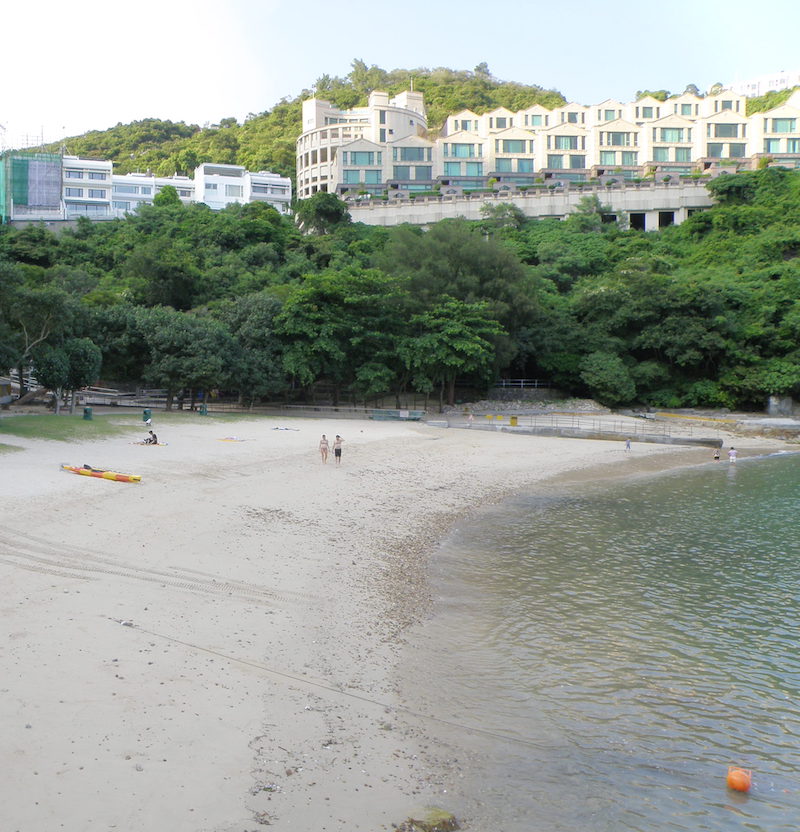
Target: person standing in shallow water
x,y
337,449
732,454
323,448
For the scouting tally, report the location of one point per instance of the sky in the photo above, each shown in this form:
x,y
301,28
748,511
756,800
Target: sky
x,y
87,65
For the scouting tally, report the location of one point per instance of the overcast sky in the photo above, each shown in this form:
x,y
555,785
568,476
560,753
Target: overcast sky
x,y
89,64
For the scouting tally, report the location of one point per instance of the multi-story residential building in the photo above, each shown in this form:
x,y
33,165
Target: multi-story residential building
x,y
763,84
48,187
357,153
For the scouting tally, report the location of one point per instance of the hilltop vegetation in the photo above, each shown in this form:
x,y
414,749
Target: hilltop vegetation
x,y
266,141
702,314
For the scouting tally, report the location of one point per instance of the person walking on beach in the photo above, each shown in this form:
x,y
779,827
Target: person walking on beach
x,y
323,449
732,454
627,444
337,449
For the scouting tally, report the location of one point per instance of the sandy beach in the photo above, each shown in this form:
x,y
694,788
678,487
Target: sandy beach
x,y
214,648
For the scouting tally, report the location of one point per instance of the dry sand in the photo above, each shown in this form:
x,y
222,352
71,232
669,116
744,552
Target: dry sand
x,y
213,649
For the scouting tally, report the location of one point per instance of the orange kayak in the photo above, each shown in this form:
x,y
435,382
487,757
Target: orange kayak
x,y
88,471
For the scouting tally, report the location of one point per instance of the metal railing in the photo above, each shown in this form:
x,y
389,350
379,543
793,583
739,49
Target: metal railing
x,y
521,383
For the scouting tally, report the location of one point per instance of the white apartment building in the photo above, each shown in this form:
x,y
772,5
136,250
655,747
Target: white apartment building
x,y
90,188
356,153
762,84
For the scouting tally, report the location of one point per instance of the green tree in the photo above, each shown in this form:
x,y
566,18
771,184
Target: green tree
x,y
167,197
607,378
321,213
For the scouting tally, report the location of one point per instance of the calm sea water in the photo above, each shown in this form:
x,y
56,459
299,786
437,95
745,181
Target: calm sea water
x,y
620,648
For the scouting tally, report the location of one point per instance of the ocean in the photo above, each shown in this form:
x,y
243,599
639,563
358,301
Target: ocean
x,y
603,654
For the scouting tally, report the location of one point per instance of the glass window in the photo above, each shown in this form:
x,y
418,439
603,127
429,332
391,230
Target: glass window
x,y
412,154
793,145
783,125
401,172
97,193
737,151
686,109
671,134
683,154
146,189
73,174
123,206
772,145
566,142
181,192
97,175
647,112
372,177
503,165
576,162
452,168
536,121
629,157
555,162
126,189
618,139
608,157
714,150
233,190
73,191
462,151
609,115
726,131
381,116
727,105
502,123
351,177
660,154
513,145
525,165
474,168
423,172
211,186
382,134
362,157
572,118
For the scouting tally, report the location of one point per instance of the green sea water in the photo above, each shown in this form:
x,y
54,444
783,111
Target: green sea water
x,y
618,648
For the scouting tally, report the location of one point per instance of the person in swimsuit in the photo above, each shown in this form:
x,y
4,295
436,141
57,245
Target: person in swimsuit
x,y
337,449
323,448
152,439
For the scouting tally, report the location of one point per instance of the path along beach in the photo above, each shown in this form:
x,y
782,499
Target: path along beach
x,y
215,648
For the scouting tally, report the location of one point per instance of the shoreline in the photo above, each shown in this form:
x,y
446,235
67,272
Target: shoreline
x,y
216,647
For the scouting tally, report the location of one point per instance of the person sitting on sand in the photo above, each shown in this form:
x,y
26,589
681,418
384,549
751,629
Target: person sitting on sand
x,y
152,439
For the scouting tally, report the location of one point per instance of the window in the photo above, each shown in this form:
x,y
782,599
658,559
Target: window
x,y
647,112
362,157
211,186
555,162
686,109
423,172
462,151
382,134
671,134
577,162
351,177
126,189
97,193
772,145
503,165
727,105
452,168
466,124
566,142
618,139
784,125
97,175
726,131
534,121
737,151
572,118
660,154
474,168
401,172
381,116
793,145
183,192
73,174
122,206
372,177
629,157
146,189
501,123
73,191
609,115
714,151
513,145
525,165
413,154
683,154
233,190
608,157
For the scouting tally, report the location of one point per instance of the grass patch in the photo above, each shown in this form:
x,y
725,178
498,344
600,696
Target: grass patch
x,y
7,449
62,428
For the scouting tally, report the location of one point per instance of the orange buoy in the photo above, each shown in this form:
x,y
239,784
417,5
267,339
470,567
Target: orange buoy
x,y
739,779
